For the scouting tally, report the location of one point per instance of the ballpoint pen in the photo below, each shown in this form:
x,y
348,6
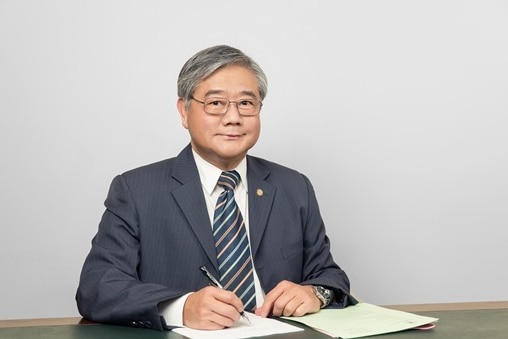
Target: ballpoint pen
x,y
216,283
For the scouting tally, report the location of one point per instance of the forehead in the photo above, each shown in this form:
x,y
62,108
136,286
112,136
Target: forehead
x,y
228,81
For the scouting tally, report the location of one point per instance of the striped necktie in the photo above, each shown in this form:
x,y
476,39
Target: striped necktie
x,y
232,244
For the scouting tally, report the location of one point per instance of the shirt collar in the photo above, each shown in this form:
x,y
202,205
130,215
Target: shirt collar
x,y
209,174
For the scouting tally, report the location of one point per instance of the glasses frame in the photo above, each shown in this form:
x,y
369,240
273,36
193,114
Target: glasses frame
x,y
227,107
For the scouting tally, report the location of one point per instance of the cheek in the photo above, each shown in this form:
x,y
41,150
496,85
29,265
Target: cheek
x,y
256,128
199,127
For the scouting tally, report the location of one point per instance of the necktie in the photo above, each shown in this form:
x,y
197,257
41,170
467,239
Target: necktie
x,y
232,244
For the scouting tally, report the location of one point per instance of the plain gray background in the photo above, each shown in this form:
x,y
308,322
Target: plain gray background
x,y
396,110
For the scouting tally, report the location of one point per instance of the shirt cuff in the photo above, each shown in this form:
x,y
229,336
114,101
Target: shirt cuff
x,y
172,310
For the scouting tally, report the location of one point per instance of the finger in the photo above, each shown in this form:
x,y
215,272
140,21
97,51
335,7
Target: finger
x,y
302,310
230,298
285,304
226,307
270,299
304,302
296,300
222,321
211,308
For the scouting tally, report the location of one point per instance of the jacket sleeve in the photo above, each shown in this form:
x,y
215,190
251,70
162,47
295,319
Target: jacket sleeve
x,y
110,290
319,268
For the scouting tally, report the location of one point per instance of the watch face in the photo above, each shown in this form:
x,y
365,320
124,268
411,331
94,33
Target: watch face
x,y
323,294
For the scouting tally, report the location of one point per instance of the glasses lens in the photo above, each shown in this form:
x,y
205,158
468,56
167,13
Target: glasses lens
x,y
220,106
216,105
248,107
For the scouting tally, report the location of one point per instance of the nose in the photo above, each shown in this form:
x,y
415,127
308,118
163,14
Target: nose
x,y
233,103
232,115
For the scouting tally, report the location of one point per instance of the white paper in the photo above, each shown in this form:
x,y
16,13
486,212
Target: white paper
x,y
242,329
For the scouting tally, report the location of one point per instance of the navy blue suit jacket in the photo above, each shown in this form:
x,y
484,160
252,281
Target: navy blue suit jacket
x,y
155,234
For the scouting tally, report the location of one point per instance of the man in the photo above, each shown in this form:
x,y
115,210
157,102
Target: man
x,y
163,221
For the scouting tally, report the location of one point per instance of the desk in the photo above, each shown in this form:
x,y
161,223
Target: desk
x,y
459,320
487,320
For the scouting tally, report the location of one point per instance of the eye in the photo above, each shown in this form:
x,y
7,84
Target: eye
x,y
246,103
216,102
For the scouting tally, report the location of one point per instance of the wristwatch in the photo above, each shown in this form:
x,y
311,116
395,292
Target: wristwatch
x,y
325,295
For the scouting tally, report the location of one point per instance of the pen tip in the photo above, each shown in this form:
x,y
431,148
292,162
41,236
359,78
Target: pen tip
x,y
244,316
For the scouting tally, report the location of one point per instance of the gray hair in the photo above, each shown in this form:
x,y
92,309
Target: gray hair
x,y
206,62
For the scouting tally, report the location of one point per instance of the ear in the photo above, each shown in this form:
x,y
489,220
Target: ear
x,y
180,105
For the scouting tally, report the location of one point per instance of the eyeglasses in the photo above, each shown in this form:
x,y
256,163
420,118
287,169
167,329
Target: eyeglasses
x,y
220,106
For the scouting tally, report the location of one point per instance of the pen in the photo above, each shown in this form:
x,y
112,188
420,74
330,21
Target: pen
x,y
216,283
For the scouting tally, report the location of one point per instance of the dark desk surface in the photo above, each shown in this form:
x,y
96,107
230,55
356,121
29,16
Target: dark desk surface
x,y
463,320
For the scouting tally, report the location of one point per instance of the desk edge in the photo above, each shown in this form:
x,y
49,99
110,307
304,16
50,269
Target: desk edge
x,y
44,322
462,306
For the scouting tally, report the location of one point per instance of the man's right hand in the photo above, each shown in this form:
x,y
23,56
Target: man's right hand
x,y
211,309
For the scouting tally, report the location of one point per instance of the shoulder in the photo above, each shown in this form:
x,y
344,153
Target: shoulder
x,y
182,165
155,168
260,163
274,172
159,165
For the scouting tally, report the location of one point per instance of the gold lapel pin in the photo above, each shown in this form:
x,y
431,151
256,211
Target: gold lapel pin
x,y
259,192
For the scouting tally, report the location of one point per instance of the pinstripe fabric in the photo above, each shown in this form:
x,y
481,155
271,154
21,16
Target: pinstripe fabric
x,y
232,244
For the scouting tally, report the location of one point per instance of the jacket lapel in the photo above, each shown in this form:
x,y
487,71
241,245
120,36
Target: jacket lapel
x,y
191,201
193,206
261,196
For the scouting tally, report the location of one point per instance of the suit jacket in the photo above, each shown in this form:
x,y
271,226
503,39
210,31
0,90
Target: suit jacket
x,y
155,234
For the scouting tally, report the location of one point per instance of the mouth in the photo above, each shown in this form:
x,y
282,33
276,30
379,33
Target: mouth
x,y
231,135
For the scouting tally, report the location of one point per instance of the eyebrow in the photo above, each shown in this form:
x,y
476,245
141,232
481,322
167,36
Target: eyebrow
x,y
221,92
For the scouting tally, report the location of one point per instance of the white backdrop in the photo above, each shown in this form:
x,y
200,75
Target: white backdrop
x,y
396,110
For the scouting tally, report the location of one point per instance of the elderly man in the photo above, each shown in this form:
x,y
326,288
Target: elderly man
x,y
252,224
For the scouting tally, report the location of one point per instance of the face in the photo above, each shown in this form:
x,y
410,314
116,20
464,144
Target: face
x,y
222,140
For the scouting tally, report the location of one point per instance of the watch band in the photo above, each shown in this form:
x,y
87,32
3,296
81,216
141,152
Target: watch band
x,y
323,294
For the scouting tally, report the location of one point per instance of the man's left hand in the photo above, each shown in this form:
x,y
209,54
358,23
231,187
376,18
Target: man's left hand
x,y
289,299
